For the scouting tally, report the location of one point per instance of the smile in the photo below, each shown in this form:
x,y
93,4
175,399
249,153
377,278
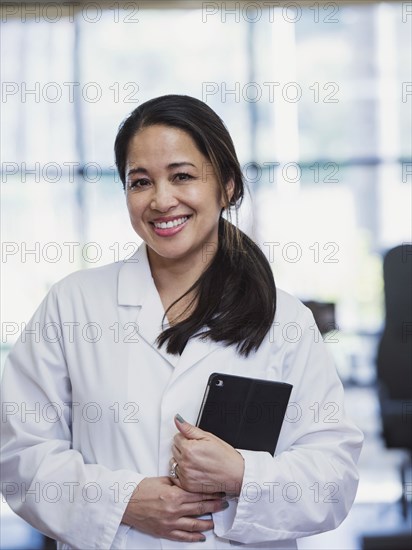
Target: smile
x,y
170,227
174,223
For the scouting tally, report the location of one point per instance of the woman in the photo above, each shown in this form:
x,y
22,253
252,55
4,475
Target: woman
x,y
100,448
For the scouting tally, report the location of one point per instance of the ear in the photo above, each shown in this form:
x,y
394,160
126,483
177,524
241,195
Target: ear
x,y
230,189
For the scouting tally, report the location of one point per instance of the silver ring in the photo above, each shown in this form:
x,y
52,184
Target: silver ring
x,y
172,472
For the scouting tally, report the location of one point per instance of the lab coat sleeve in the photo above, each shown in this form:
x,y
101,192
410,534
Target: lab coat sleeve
x,y
310,485
44,480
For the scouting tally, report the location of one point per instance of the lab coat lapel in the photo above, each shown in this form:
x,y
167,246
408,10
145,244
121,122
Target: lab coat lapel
x,y
196,349
150,324
136,288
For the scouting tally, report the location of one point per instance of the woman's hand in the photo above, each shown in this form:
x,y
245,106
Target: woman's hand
x,y
205,463
160,508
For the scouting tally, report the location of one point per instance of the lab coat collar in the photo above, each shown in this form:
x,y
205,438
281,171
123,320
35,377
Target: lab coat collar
x,y
134,279
136,287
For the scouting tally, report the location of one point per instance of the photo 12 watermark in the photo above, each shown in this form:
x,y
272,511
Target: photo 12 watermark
x,y
55,12
290,172
271,92
53,412
53,252
91,492
55,172
270,12
70,332
407,12
69,92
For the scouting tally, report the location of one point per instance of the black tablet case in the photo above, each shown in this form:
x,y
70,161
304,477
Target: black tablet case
x,y
245,412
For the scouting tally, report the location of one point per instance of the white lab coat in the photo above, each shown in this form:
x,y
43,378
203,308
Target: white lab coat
x,y
88,407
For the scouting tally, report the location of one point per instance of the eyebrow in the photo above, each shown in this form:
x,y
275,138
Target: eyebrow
x,y
170,166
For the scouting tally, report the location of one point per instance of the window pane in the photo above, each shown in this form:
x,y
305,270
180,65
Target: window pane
x,y
165,52
38,108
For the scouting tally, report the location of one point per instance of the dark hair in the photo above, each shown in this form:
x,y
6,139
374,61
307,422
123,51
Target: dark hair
x,y
236,294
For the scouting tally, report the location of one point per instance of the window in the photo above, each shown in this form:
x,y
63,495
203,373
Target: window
x,y
317,99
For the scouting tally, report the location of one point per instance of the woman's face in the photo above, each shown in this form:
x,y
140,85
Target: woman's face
x,y
173,196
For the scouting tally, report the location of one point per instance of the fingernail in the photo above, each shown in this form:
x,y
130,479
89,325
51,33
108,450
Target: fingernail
x,y
181,420
202,540
225,505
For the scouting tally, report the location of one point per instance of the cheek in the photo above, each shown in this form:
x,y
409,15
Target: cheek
x,y
206,200
134,208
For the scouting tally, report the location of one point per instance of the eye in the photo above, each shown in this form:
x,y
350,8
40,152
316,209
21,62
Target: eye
x,y
139,183
182,176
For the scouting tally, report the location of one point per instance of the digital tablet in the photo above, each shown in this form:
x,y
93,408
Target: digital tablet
x,y
245,412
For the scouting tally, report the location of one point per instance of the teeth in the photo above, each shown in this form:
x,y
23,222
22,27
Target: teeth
x,y
174,223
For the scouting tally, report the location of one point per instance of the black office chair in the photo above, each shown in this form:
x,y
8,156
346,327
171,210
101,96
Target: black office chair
x,y
387,542
394,357
324,315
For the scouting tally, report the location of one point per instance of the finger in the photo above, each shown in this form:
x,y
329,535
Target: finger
x,y
194,525
204,507
176,452
177,483
188,430
178,441
184,536
196,497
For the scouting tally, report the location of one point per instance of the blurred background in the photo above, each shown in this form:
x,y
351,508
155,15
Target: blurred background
x,y
318,99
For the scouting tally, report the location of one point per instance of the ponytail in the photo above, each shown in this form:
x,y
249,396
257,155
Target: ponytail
x,y
235,297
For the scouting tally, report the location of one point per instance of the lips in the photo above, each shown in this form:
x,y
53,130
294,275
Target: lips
x,y
167,223
166,227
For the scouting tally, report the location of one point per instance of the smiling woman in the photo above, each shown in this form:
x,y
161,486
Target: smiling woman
x,y
166,202
131,473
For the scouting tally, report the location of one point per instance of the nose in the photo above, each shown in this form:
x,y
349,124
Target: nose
x,y
163,198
